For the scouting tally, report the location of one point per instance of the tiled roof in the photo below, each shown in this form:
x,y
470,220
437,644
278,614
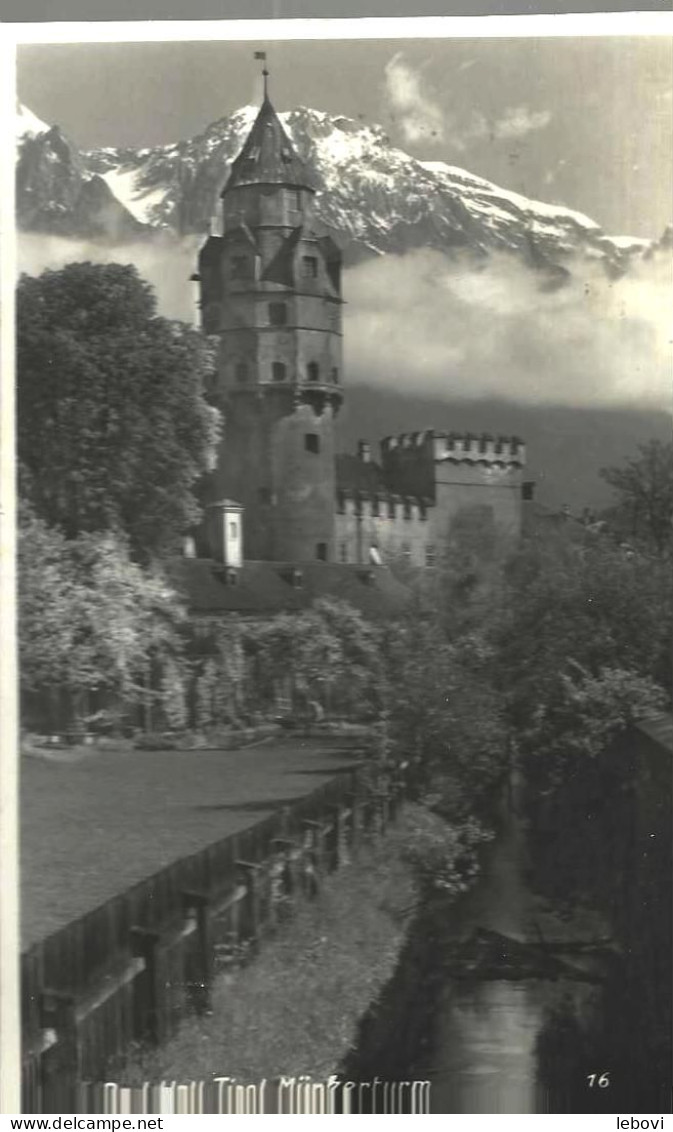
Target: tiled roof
x,y
267,587
268,156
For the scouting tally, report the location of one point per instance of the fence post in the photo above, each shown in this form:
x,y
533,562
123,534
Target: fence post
x,y
146,992
199,957
250,872
60,1064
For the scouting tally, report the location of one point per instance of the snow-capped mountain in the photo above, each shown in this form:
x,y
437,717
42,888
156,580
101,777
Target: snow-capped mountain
x,y
372,196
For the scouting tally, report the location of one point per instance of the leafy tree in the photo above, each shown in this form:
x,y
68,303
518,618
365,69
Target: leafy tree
x,y
91,620
444,716
113,427
582,643
644,488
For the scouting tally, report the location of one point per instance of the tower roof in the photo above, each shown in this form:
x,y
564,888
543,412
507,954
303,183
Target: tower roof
x,y
268,156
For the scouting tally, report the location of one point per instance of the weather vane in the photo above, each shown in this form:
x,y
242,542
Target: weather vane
x,y
262,55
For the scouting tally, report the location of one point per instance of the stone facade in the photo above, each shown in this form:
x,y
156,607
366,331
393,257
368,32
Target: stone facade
x,y
270,287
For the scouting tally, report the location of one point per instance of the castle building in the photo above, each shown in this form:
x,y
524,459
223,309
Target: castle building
x,y
270,290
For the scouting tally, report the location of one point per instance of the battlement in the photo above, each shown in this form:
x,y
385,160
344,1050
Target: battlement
x,y
382,505
457,447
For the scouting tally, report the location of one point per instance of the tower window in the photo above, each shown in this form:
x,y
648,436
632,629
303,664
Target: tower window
x,y
233,530
278,371
321,551
335,376
277,314
312,442
294,199
239,266
241,373
309,267
343,552
528,490
313,371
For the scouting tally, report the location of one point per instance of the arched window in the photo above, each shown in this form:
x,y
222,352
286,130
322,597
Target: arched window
x,y
241,373
313,371
278,371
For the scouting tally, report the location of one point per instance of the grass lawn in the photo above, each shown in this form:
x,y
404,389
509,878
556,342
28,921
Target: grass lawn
x,y
96,824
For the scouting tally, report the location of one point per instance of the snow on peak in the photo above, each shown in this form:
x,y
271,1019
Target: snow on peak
x,y
28,124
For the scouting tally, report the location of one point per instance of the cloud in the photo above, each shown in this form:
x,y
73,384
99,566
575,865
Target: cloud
x,y
439,326
418,116
165,261
518,121
435,325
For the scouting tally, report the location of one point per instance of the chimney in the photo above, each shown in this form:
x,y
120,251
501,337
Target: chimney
x,y
224,526
364,451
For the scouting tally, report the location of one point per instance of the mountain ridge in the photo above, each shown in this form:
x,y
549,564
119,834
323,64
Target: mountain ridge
x,y
372,196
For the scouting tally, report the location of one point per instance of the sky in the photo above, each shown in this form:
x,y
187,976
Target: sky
x,y
581,122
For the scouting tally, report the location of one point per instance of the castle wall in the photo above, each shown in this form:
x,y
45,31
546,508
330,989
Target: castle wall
x,y
495,490
402,537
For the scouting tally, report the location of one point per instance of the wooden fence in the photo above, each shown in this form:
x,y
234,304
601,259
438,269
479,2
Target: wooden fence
x,y
128,971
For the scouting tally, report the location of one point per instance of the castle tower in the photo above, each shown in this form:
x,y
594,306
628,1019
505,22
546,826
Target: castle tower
x,y
270,288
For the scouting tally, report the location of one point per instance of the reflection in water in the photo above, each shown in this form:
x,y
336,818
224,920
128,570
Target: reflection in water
x,y
494,1035
497,1000
485,1054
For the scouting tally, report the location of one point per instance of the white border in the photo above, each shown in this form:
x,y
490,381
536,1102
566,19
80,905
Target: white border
x,y
603,25
395,27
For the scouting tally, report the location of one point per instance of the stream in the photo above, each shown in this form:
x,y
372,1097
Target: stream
x,y
499,998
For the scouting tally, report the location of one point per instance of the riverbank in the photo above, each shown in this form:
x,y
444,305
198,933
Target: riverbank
x,y
297,1007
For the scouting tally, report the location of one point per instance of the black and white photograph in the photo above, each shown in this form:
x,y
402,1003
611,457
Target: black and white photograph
x,y
344,531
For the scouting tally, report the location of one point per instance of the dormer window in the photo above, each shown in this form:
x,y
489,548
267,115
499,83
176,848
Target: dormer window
x,y
278,314
239,266
309,267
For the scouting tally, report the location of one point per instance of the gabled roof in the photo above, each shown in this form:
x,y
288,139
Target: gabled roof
x,y
268,156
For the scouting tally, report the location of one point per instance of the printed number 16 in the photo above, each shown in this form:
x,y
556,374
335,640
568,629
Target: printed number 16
x,y
602,1080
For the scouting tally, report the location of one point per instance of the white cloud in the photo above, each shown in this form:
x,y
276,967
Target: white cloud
x,y
517,121
441,327
419,117
165,261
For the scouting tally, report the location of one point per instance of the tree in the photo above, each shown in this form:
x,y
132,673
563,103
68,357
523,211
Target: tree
x,y
113,427
644,487
91,620
583,645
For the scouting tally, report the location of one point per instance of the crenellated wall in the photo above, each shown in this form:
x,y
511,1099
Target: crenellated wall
x,y
397,527
458,472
